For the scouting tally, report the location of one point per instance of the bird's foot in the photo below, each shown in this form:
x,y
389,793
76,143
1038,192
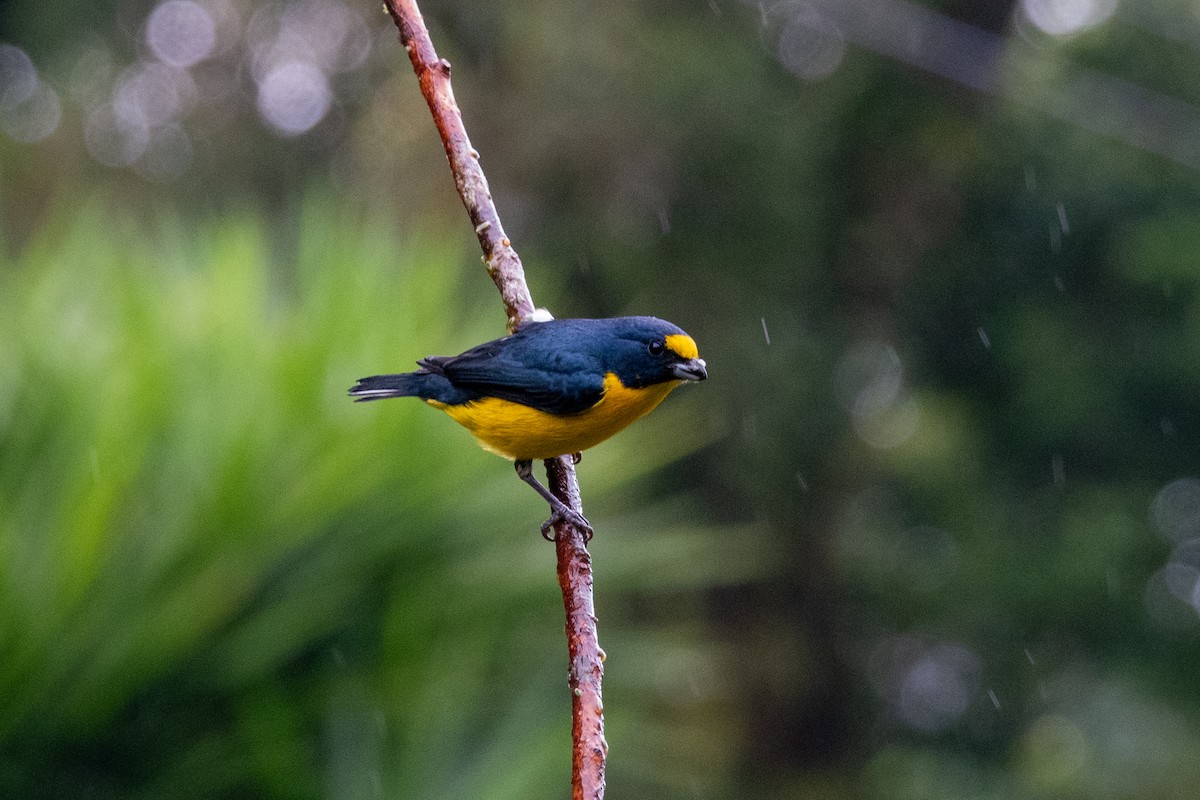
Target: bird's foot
x,y
562,513
576,458
559,511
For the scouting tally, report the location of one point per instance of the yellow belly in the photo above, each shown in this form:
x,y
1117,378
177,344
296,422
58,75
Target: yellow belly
x,y
519,432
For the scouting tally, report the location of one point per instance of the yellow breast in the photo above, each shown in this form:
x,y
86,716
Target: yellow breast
x,y
519,432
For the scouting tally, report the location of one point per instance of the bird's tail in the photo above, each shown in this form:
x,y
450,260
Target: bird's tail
x,y
378,387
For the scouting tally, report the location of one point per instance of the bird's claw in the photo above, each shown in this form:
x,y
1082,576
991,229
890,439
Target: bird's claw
x,y
568,515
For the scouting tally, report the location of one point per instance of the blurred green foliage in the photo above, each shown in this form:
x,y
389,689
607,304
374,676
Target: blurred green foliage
x,y
931,530
222,577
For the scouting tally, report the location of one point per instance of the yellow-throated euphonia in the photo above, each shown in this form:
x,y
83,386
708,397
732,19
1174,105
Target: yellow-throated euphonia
x,y
552,388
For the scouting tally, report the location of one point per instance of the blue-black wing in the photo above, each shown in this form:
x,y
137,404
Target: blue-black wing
x,y
552,373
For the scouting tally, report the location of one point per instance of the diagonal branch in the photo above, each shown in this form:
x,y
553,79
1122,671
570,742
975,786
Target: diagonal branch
x,y
589,749
433,73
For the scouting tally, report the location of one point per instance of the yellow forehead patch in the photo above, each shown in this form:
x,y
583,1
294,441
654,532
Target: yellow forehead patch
x,y
682,345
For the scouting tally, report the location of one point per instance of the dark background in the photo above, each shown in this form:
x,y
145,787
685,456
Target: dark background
x,y
931,529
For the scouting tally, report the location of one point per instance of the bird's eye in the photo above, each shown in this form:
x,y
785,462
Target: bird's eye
x,y
657,348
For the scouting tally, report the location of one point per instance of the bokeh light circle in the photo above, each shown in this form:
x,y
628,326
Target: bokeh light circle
x,y
294,97
181,33
1065,17
18,78
1176,509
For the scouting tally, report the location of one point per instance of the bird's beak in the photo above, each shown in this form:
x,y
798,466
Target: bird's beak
x,y
691,370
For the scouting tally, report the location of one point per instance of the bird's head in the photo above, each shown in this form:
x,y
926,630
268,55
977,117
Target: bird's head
x,y
648,350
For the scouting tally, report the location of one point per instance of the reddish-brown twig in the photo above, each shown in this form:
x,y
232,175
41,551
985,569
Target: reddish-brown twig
x,y
589,752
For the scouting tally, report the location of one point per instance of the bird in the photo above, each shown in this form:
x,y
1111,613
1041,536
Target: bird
x,y
551,388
